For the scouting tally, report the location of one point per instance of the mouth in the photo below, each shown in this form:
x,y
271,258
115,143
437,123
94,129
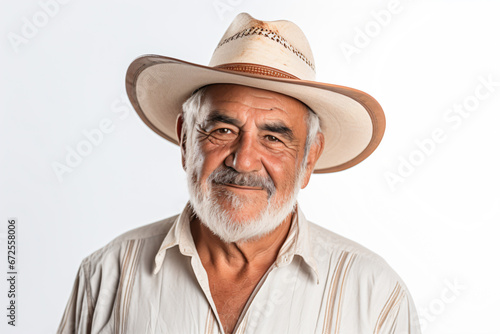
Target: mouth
x,y
240,187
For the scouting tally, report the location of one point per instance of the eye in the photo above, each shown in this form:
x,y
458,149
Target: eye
x,y
223,131
220,135
272,138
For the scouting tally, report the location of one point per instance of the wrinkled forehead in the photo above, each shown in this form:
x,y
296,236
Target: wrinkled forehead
x,y
238,98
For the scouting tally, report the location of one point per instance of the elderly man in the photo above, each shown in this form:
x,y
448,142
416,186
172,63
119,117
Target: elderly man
x,y
241,257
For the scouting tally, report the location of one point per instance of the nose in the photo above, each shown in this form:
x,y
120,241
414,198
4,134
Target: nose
x,y
244,158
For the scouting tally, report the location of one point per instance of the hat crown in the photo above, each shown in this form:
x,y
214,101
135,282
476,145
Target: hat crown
x,y
275,48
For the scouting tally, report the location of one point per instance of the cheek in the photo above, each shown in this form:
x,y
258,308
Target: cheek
x,y
283,171
210,157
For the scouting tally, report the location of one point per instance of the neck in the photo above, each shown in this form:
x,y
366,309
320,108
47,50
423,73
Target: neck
x,y
241,255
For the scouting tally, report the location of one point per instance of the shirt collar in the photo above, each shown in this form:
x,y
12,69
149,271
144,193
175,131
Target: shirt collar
x,y
178,235
297,242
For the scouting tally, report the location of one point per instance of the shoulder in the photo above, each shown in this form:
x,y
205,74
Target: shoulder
x,y
110,256
357,278
159,228
328,241
364,266
351,270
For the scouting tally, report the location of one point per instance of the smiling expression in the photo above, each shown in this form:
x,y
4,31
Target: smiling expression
x,y
253,132
245,155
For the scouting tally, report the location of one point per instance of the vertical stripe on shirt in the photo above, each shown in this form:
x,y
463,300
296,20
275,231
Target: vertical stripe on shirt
x,y
395,295
327,324
128,268
339,307
242,327
209,324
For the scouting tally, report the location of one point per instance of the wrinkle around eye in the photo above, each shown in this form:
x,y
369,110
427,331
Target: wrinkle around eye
x,y
277,142
218,136
202,134
224,133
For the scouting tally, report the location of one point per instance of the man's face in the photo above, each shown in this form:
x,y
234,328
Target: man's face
x,y
245,159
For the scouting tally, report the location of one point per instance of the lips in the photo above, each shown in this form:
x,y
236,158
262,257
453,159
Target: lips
x,y
242,187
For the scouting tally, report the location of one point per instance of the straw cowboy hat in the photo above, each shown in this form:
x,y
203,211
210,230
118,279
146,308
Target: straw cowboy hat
x,y
274,56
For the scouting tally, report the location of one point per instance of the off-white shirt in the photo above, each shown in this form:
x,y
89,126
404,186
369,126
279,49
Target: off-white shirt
x,y
151,280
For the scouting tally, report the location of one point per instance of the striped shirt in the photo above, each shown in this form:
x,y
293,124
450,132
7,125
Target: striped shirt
x,y
151,280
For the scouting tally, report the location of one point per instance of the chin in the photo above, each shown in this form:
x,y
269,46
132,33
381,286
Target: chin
x,y
241,224
243,217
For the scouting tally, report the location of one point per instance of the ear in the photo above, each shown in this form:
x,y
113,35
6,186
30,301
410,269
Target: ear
x,y
181,137
314,154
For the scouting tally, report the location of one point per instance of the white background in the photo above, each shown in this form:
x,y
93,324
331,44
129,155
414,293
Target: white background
x,y
438,225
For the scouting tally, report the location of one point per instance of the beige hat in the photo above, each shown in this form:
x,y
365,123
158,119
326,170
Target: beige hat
x,y
274,56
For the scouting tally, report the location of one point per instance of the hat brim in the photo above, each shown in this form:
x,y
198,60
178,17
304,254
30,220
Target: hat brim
x,y
353,122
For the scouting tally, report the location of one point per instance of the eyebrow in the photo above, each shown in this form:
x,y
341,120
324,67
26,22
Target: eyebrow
x,y
218,117
280,128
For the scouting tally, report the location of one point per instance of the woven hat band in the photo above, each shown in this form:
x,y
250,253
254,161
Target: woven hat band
x,y
257,69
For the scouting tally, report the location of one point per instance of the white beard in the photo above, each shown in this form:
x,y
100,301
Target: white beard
x,y
206,206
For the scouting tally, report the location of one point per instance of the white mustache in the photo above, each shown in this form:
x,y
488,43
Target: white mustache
x,y
225,175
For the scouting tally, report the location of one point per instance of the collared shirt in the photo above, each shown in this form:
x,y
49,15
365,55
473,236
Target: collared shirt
x,y
151,280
